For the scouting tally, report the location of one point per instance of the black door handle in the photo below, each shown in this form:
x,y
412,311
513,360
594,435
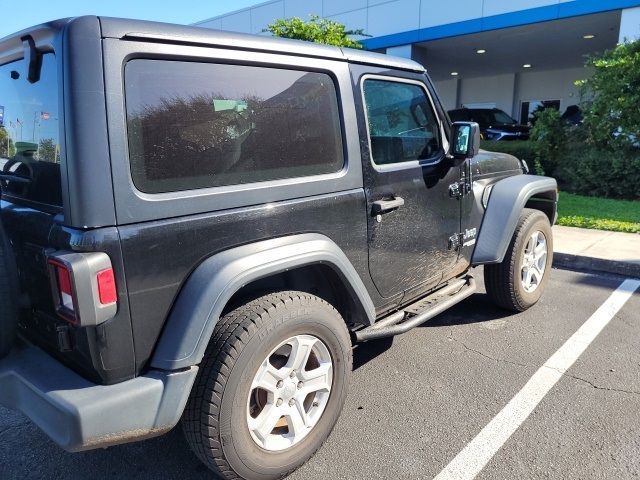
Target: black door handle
x,y
382,206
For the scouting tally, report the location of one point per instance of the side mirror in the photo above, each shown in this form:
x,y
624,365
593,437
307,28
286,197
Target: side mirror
x,y
466,140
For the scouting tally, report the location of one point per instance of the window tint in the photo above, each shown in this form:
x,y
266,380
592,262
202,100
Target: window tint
x,y
197,125
402,125
29,132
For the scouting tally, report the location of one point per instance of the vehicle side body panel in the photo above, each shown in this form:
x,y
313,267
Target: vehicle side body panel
x,y
88,176
407,247
181,260
103,353
209,288
134,206
483,170
160,256
507,199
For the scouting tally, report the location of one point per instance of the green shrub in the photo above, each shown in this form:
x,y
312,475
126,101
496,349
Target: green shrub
x,y
317,30
611,98
549,138
600,173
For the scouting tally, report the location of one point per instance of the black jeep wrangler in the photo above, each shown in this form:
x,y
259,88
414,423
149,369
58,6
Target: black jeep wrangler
x,y
196,226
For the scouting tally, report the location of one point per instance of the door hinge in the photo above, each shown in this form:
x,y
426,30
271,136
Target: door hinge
x,y
455,241
463,239
459,189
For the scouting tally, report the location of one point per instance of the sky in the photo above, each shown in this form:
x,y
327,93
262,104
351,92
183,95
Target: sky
x,y
17,15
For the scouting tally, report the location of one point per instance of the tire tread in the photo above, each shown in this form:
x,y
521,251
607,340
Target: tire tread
x,y
200,420
499,278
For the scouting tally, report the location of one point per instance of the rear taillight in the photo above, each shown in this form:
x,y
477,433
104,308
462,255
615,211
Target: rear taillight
x,y
63,290
84,287
107,287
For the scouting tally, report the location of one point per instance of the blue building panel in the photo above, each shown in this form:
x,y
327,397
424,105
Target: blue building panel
x,y
512,19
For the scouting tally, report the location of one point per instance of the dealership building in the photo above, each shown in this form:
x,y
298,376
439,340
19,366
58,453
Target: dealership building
x,y
514,55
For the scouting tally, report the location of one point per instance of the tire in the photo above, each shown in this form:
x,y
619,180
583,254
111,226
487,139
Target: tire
x,y
8,310
217,416
504,281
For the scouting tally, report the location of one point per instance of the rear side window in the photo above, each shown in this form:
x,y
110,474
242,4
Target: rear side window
x,y
197,125
29,133
401,121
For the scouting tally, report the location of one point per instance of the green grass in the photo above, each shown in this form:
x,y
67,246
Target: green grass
x,y
598,213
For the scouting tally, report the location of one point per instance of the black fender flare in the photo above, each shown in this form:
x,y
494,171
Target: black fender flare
x,y
507,199
206,292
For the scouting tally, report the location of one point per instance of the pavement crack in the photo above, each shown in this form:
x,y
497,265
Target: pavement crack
x,y
598,387
489,357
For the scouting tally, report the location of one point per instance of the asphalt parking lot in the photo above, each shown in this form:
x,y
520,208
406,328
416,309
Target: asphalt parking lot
x,y
417,400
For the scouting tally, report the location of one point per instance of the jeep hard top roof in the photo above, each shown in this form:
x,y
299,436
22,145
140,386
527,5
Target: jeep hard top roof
x,y
198,36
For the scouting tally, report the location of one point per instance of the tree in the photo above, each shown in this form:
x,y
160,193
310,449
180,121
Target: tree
x,y
317,30
7,147
48,151
549,137
611,98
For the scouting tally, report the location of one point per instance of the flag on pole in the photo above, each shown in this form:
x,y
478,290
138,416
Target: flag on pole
x,y
44,115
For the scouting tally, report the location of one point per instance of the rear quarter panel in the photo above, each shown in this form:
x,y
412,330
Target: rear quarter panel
x,y
160,255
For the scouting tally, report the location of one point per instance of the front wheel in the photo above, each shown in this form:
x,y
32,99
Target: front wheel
x,y
271,386
518,282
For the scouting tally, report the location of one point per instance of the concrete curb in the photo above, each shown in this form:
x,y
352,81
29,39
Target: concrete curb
x,y
579,262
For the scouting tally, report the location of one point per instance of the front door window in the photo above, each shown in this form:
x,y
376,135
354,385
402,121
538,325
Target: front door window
x,y
402,124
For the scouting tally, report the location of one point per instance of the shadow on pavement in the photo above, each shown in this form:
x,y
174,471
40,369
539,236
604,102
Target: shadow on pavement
x,y
367,351
475,309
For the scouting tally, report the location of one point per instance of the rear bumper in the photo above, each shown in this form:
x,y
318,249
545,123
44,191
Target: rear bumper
x,y
80,415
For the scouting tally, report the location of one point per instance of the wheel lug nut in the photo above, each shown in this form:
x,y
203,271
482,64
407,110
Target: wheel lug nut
x,y
291,402
279,384
300,384
279,402
292,374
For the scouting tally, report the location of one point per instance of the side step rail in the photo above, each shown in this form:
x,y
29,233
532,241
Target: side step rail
x,y
421,311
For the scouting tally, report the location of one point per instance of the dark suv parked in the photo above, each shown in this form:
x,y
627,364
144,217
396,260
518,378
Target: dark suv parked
x,y
494,123
196,226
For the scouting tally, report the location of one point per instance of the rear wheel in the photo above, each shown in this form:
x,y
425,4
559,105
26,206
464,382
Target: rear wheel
x,y
271,386
518,282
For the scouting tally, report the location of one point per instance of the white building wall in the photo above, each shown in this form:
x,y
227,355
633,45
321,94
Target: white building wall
x,y
302,9
630,24
261,17
393,17
375,17
448,93
509,91
498,89
237,22
550,85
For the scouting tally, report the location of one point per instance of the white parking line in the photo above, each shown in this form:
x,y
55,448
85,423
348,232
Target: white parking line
x,y
473,458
